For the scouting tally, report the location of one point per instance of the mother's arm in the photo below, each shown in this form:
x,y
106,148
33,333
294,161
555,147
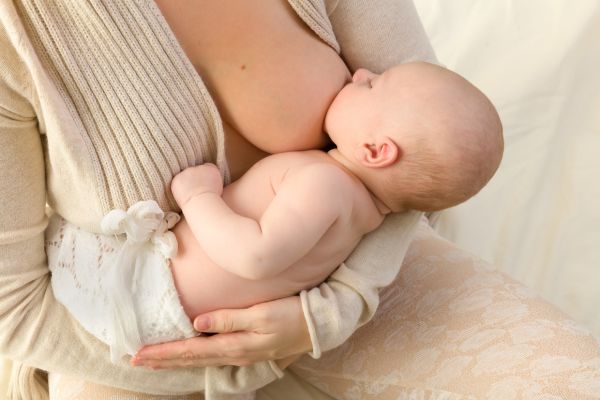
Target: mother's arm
x,y
350,296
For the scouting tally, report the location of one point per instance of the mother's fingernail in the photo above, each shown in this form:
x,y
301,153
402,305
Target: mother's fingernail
x,y
201,323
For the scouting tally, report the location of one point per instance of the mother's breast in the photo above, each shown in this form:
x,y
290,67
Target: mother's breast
x,y
271,77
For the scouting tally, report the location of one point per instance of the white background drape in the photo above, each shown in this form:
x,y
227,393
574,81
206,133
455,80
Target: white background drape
x,y
539,218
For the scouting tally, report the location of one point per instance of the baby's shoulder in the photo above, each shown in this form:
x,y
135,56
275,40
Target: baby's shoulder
x,y
308,170
320,171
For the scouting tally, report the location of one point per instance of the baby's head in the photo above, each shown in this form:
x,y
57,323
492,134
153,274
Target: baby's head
x,y
419,136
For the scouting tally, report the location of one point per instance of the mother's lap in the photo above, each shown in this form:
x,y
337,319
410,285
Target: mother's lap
x,y
449,327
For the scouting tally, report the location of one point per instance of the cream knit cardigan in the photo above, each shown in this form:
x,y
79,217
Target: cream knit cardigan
x,y
99,108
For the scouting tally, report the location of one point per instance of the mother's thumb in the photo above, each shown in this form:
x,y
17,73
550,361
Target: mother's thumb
x,y
221,321
202,323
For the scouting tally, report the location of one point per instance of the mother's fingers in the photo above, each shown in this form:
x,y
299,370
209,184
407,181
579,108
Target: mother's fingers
x,y
266,331
177,363
196,363
224,347
200,346
228,351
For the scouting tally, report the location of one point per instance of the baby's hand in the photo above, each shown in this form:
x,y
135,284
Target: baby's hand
x,y
194,181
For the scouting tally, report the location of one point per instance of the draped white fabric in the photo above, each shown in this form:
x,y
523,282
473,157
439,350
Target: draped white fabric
x,y
144,227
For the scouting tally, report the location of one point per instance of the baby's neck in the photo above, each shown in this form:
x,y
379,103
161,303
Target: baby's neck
x,y
353,170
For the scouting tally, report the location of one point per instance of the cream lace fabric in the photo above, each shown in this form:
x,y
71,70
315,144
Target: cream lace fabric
x,y
448,328
119,285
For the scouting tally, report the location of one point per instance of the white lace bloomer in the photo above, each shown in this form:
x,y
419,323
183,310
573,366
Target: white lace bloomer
x,y
118,285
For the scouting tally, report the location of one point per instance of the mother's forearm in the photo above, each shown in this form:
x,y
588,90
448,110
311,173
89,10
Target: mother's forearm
x,y
350,296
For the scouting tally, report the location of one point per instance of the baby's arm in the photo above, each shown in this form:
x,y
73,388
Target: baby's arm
x,y
293,223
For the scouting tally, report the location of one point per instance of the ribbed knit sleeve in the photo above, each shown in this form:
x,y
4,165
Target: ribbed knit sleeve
x,y
377,35
23,276
350,296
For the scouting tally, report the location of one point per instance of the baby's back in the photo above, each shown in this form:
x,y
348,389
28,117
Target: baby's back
x,y
204,286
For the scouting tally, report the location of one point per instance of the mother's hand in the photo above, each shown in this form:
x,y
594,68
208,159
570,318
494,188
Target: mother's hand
x,y
275,330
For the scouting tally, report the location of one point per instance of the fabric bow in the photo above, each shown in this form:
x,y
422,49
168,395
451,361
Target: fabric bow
x,y
146,229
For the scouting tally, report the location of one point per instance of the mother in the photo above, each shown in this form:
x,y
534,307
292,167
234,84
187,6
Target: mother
x,y
102,102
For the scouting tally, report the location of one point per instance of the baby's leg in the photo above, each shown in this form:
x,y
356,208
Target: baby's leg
x,y
451,328
204,286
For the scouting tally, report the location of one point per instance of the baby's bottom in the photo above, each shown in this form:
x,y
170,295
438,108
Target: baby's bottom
x,y
447,328
80,262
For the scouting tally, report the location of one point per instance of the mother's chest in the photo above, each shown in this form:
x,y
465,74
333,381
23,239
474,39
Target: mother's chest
x,y
123,103
271,77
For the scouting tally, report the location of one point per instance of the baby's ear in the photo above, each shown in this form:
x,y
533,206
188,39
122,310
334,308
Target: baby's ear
x,y
383,153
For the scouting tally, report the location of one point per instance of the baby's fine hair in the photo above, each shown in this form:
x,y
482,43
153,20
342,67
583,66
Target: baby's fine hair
x,y
456,151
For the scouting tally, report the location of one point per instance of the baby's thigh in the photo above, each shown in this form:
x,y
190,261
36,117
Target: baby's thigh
x,y
450,327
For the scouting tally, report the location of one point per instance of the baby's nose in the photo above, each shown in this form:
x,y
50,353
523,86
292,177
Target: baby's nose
x,y
361,74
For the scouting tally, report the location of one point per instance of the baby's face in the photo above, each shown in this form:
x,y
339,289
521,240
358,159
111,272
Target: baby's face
x,y
362,106
435,118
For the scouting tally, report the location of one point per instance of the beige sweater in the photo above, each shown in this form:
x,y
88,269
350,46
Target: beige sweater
x,y
100,108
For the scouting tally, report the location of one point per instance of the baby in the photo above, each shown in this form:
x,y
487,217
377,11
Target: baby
x,y
417,137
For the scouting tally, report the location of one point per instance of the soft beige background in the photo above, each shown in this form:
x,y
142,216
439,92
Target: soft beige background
x,y
539,218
